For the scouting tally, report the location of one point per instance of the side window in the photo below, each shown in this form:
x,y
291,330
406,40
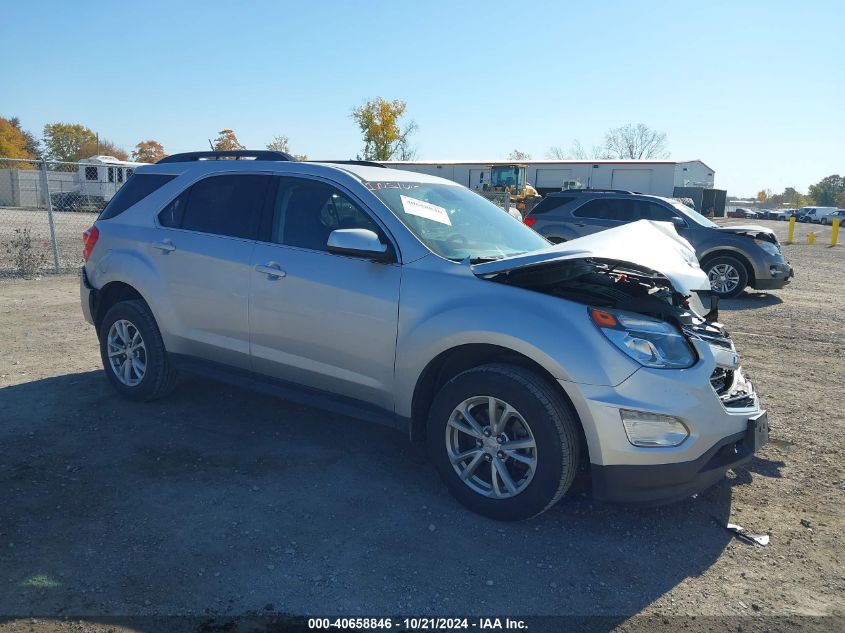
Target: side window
x,y
171,216
222,205
111,174
608,209
656,212
91,172
305,212
136,189
551,203
119,175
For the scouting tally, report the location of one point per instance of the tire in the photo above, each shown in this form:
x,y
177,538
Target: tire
x,y
536,406
158,377
725,263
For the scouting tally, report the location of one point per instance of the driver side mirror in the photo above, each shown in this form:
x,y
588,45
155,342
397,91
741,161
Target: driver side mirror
x,y
678,221
358,243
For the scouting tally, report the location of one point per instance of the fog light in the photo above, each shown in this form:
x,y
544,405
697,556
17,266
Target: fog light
x,y
774,271
653,429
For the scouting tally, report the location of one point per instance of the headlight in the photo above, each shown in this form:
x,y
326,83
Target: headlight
x,y
653,430
771,249
650,342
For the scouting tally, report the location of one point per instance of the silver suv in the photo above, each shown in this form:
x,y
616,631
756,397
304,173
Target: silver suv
x,y
409,300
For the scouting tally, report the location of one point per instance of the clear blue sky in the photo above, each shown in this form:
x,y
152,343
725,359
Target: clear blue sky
x,y
755,89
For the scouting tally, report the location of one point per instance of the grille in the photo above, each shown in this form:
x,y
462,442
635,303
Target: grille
x,y
722,380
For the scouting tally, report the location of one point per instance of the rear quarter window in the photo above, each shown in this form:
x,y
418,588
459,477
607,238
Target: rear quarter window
x,y
138,187
550,203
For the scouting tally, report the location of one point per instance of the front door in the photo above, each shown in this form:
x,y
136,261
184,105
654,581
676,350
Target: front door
x,y
321,320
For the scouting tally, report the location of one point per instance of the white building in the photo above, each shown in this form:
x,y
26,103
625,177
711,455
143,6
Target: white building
x,y
658,177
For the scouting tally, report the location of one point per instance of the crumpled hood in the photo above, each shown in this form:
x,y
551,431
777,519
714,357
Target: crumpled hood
x,y
648,244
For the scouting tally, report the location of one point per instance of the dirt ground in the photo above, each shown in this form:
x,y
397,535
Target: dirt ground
x,y
218,501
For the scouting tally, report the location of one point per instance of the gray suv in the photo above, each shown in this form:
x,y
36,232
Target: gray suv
x,y
410,301
733,257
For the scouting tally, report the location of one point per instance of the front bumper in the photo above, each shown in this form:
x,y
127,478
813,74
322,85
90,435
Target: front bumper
x,y
665,483
718,423
777,276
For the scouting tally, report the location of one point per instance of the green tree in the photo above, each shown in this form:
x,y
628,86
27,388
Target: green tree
x,y
282,144
65,141
101,147
226,140
148,151
825,192
384,138
13,145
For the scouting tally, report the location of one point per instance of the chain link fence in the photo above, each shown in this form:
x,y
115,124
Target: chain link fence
x,y
45,206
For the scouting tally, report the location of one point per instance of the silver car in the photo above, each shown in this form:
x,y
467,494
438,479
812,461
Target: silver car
x,y
411,301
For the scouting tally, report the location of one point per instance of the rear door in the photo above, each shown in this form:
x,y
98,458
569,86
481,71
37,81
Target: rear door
x,y
603,213
203,254
322,320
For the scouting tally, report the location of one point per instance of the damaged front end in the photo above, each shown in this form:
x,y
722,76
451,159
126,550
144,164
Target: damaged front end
x,y
616,291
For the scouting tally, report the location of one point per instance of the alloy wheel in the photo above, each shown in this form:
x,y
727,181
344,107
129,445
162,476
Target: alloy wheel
x,y
724,278
127,353
491,447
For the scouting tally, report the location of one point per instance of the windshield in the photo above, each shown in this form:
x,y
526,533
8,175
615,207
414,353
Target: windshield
x,y
692,214
456,223
506,177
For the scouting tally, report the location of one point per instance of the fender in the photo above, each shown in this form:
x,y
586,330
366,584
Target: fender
x,y
553,332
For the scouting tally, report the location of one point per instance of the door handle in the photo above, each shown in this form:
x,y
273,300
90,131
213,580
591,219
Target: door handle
x,y
271,269
580,224
166,246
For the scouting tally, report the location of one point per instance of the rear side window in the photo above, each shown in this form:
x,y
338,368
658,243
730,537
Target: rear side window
x,y
136,189
227,205
550,203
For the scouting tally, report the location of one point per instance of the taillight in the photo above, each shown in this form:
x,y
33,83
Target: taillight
x,y
89,240
530,221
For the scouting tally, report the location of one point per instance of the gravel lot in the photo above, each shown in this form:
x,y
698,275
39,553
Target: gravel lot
x,y
220,501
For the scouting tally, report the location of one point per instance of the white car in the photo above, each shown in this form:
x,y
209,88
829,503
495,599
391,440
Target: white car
x,y
815,214
839,214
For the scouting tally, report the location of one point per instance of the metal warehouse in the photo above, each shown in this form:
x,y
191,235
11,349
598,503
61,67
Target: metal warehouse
x,y
658,177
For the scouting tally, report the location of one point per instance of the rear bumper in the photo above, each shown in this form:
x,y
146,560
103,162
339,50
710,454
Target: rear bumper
x,y
86,297
665,483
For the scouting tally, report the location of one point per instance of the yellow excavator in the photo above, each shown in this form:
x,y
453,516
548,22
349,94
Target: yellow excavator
x,y
512,179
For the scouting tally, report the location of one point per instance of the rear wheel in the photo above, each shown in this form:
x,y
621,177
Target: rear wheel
x,y
504,441
728,276
133,353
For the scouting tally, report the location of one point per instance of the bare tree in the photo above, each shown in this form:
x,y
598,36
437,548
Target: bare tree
x,y
279,144
636,142
517,155
557,153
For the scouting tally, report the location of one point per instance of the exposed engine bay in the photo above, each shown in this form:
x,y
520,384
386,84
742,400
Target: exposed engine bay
x,y
607,283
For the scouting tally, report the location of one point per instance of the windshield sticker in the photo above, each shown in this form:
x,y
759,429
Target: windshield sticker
x,y
425,210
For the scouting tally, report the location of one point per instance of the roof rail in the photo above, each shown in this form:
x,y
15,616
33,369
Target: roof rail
x,y
237,154
365,163
568,191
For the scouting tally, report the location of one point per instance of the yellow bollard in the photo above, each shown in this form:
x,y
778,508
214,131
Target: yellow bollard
x,y
791,233
834,235
811,237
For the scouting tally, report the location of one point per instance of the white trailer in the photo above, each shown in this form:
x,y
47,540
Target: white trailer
x,y
657,177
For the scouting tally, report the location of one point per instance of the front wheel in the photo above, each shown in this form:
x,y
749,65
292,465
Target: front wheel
x,y
728,276
504,441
